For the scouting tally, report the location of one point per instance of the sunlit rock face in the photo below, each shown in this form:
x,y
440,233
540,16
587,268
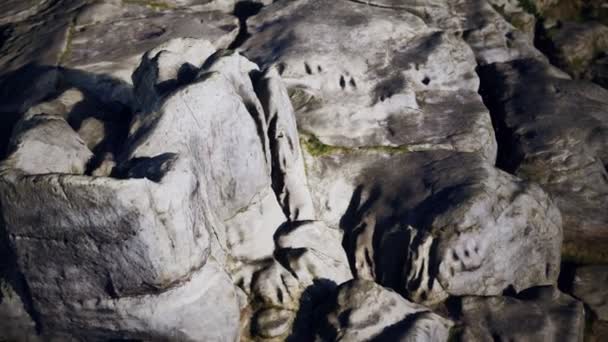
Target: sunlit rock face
x,y
222,170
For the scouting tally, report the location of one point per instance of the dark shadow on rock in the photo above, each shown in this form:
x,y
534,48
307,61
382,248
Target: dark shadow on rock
x,y
243,10
105,98
152,168
509,156
400,329
315,303
9,271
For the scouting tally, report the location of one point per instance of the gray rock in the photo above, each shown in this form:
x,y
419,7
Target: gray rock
x,y
589,286
433,224
109,36
289,176
44,144
129,241
481,24
203,308
540,314
34,31
576,45
365,311
553,131
167,67
399,91
312,251
15,322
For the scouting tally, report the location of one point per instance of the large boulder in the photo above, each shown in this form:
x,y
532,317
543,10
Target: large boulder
x,y
538,314
143,235
110,36
552,131
365,311
433,224
412,86
589,285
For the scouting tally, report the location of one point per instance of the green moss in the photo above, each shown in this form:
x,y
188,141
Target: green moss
x,y
584,255
455,333
519,23
578,65
67,50
153,4
5,290
316,148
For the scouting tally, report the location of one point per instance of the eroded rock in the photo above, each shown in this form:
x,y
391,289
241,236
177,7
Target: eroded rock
x,y
589,285
433,224
394,92
365,311
538,314
553,131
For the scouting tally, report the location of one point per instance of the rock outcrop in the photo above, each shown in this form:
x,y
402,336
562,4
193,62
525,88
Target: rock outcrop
x,y
559,142
226,170
540,314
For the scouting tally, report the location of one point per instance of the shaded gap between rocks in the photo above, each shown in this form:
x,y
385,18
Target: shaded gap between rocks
x,y
243,10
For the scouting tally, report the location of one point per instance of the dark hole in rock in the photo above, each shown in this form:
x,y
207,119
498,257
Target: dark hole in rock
x,y
307,68
152,168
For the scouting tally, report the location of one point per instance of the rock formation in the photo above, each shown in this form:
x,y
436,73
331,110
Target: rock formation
x,y
297,170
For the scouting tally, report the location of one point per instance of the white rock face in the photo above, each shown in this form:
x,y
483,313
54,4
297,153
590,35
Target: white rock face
x,y
412,225
47,144
397,91
312,251
365,311
193,170
209,169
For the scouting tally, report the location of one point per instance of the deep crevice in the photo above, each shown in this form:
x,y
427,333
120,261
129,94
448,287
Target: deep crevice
x,y
243,10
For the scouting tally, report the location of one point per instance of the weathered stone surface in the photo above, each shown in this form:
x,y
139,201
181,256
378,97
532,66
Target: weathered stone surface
x,y
365,311
312,251
516,13
598,71
176,203
589,286
400,95
15,322
44,144
576,45
553,131
34,31
429,224
289,176
203,308
153,230
539,314
110,36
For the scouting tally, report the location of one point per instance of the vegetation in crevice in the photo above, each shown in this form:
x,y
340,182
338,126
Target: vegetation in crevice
x,y
583,256
316,148
153,4
67,50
